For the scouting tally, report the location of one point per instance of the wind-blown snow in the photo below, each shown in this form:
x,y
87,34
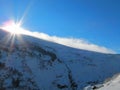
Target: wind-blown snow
x,y
72,42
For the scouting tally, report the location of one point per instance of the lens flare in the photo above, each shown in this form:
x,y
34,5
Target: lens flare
x,y
12,27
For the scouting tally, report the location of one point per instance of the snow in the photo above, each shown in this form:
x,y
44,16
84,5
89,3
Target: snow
x,y
85,67
113,84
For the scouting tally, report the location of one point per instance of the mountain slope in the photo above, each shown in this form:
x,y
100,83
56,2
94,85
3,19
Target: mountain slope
x,y
28,63
113,84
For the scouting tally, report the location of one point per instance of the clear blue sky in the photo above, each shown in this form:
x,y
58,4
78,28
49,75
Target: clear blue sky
x,y
97,21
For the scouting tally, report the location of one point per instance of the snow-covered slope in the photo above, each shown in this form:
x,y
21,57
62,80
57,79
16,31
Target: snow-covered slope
x,y
113,84
28,63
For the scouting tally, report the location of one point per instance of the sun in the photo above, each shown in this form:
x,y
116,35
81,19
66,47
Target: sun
x,y
12,27
15,28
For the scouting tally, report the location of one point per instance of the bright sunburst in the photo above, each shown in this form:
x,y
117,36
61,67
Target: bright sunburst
x,y
13,27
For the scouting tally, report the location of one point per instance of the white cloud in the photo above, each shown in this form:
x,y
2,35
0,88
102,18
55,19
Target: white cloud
x,y
72,42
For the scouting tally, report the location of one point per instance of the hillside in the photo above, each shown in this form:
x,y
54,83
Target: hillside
x,y
28,63
112,84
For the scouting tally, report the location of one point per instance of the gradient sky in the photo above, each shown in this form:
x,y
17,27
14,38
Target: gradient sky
x,y
97,21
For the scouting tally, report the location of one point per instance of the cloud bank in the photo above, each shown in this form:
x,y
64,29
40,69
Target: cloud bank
x,y
73,42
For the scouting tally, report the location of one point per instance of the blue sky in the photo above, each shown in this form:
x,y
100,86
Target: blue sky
x,y
97,21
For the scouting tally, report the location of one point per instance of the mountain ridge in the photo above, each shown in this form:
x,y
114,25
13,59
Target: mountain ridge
x,y
28,63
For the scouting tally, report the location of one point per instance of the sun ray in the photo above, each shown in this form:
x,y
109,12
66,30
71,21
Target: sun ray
x,y
12,43
25,13
7,39
21,40
15,29
11,47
